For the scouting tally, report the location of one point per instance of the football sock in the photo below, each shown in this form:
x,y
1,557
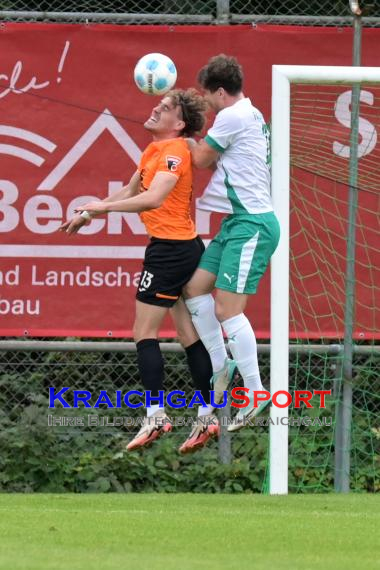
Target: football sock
x,y
198,360
202,311
205,411
151,368
242,343
152,410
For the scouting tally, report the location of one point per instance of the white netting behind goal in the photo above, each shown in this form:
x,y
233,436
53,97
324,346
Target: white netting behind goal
x,y
319,210
320,139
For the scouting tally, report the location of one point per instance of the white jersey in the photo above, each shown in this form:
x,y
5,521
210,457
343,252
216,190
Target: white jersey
x,y
241,181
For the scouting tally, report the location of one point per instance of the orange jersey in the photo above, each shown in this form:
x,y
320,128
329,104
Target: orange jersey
x,y
172,220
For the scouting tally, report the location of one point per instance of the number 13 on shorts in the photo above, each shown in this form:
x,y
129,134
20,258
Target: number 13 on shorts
x,y
145,281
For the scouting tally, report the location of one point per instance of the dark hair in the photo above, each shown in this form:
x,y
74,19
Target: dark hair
x,y
222,71
193,109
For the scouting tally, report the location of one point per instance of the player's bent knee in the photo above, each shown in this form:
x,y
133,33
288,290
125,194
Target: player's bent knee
x,y
142,332
187,337
220,314
220,311
224,312
187,291
138,336
190,290
201,283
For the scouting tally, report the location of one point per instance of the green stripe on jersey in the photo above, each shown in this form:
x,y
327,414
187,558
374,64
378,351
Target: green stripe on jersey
x,y
210,141
237,206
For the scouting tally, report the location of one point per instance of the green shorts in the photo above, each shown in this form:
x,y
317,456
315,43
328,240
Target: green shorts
x,y
239,254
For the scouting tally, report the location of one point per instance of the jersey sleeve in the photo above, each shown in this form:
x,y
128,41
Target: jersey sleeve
x,y
223,131
174,159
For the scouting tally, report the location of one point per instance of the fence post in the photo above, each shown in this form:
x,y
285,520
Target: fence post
x,y
222,12
224,444
343,481
338,438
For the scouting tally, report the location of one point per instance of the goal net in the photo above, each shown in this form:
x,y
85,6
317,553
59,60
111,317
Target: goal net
x,y
328,188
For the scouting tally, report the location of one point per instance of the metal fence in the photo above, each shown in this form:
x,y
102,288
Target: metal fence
x,y
173,12
29,368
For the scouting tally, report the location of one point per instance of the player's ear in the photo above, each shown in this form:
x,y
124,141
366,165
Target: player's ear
x,y
181,125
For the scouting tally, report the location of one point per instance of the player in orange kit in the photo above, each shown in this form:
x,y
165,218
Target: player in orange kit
x,y
160,191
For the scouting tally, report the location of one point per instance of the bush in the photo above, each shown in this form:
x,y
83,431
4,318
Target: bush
x,y
37,458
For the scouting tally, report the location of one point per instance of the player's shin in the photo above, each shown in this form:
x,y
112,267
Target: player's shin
x,y
151,368
199,362
202,311
242,343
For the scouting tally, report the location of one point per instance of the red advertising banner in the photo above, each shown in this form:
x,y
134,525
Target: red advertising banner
x,y
71,130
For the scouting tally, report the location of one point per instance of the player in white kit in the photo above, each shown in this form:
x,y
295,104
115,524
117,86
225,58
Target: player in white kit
x,y
237,148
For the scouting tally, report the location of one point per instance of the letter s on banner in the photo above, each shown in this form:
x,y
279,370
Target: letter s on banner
x,y
237,396
367,130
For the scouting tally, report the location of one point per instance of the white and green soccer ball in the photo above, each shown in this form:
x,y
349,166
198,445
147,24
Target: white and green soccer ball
x,y
155,74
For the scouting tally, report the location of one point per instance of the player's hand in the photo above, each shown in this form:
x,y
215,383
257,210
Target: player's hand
x,y
74,225
93,208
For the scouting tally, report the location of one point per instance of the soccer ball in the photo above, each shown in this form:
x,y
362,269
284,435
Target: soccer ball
x,y
155,74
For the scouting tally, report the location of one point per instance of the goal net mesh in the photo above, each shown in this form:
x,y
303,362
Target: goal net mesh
x,y
319,205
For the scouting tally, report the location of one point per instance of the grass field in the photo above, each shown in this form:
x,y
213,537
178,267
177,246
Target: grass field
x,y
186,532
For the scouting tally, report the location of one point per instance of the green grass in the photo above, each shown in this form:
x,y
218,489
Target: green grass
x,y
189,532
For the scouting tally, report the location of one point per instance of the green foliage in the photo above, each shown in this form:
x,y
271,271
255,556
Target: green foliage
x,y
35,457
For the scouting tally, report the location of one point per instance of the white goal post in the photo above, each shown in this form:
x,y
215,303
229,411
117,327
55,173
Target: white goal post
x,y
282,77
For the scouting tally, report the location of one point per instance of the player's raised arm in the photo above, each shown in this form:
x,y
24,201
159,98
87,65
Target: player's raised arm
x,y
202,154
160,187
131,189
83,216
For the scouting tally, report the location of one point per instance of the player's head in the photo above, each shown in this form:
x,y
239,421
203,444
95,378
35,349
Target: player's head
x,y
179,113
222,81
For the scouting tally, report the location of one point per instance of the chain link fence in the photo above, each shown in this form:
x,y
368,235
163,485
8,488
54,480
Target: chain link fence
x,y
44,449
301,12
